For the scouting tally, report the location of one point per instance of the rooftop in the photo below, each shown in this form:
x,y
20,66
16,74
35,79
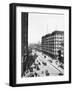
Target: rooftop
x,y
53,33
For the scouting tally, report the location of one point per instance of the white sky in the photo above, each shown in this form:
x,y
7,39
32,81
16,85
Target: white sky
x,y
42,24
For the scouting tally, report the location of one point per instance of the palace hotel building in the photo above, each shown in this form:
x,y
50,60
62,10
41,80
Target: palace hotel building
x,y
52,43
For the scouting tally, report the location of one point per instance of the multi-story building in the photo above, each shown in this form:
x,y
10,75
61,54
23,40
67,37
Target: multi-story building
x,y
52,43
24,42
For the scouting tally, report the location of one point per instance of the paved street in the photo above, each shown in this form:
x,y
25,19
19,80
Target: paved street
x,y
44,65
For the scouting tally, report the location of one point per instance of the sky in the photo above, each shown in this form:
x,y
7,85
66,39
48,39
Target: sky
x,y
42,24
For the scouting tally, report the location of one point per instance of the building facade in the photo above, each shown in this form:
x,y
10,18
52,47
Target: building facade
x,y
52,43
24,42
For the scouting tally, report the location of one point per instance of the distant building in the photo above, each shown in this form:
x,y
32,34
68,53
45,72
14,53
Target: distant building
x,y
52,43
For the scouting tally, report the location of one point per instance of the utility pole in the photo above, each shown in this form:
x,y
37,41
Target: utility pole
x,y
56,27
47,28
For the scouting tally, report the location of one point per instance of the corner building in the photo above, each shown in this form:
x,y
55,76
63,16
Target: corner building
x,y
52,43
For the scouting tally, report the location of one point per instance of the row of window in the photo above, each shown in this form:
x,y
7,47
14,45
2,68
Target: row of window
x,y
57,40
54,52
53,45
50,38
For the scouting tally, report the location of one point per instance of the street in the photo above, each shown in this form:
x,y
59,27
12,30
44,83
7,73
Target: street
x,y
43,66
